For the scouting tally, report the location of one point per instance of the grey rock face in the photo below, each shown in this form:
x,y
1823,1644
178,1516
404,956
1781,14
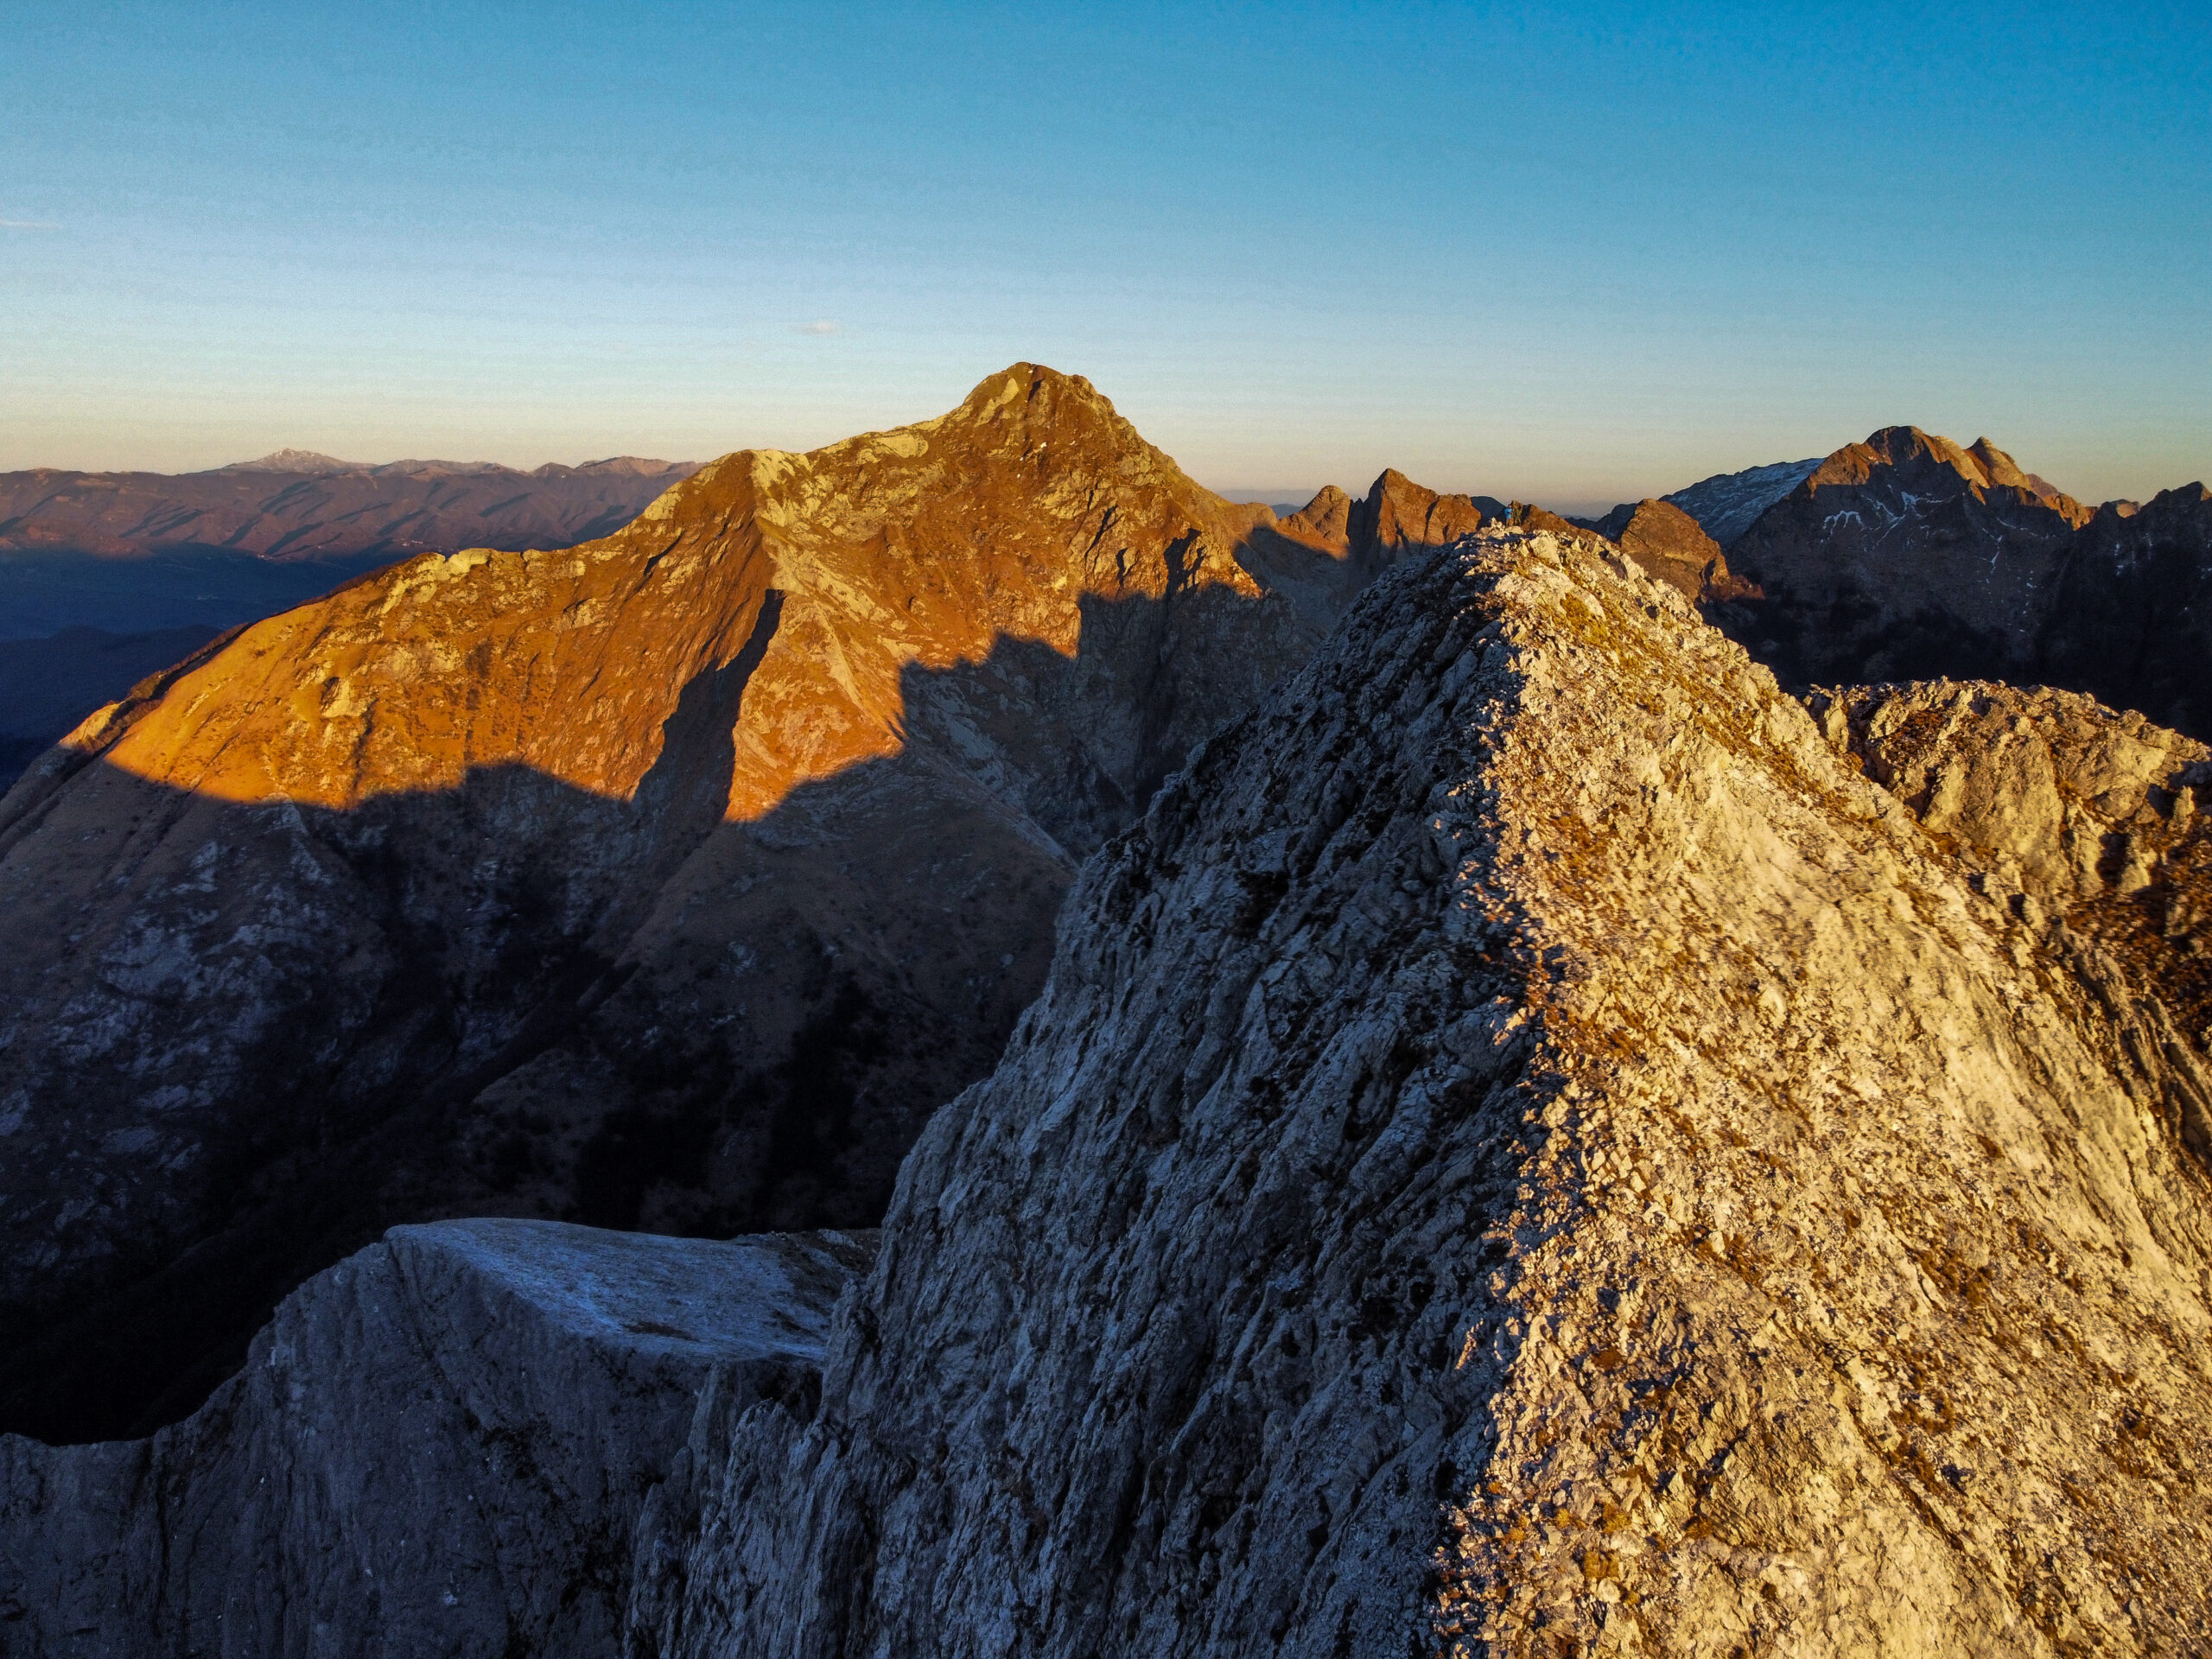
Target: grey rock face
x,y
2088,827
1524,1149
438,1447
1728,503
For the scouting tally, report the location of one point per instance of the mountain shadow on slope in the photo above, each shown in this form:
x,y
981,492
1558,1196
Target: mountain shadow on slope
x,y
510,1049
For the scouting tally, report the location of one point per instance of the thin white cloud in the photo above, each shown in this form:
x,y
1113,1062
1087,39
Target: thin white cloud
x,y
28,224
821,325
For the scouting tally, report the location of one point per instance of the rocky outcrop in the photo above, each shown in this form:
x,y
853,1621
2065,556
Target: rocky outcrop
x,y
669,881
1728,503
1525,1149
1905,558
1665,542
296,505
2087,824
1321,557
440,1447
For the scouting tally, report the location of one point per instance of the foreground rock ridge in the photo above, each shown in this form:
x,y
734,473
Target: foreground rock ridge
x,y
1527,1149
667,881
442,1446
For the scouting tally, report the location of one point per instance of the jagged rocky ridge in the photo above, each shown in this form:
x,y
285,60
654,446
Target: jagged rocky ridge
x,y
1728,503
1526,1150
669,881
1527,1147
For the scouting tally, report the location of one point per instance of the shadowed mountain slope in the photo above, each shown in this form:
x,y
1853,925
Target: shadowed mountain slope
x,y
2130,617
1525,1149
669,881
47,686
1907,557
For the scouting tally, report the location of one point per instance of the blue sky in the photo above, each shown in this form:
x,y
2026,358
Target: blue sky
x,y
1575,254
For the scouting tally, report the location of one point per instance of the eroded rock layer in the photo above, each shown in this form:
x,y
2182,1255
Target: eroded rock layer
x,y
1526,1150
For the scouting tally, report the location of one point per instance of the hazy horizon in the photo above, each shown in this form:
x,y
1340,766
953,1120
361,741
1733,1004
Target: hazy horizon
x,y
1543,253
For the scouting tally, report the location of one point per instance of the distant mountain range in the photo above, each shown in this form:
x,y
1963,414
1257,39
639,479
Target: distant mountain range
x,y
1909,557
296,505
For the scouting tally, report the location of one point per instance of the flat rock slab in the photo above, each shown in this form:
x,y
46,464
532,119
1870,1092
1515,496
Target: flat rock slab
x,y
439,1446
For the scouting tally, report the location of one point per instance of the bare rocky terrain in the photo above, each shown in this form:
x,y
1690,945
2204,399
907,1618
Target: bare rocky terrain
x,y
441,1447
1534,1138
1728,503
667,882
151,565
1526,1150
1664,541
1536,1141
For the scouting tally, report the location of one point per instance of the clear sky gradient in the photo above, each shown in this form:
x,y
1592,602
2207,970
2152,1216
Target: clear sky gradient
x,y
1574,254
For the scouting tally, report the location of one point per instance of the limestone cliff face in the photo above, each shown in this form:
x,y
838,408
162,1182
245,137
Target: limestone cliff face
x,y
2088,825
440,1447
1526,1150
668,881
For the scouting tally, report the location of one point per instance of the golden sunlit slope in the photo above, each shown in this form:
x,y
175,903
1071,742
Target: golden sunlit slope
x,y
920,546
668,881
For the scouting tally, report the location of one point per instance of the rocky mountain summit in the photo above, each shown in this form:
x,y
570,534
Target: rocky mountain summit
x,y
1909,556
1905,557
669,881
1666,542
1534,1143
